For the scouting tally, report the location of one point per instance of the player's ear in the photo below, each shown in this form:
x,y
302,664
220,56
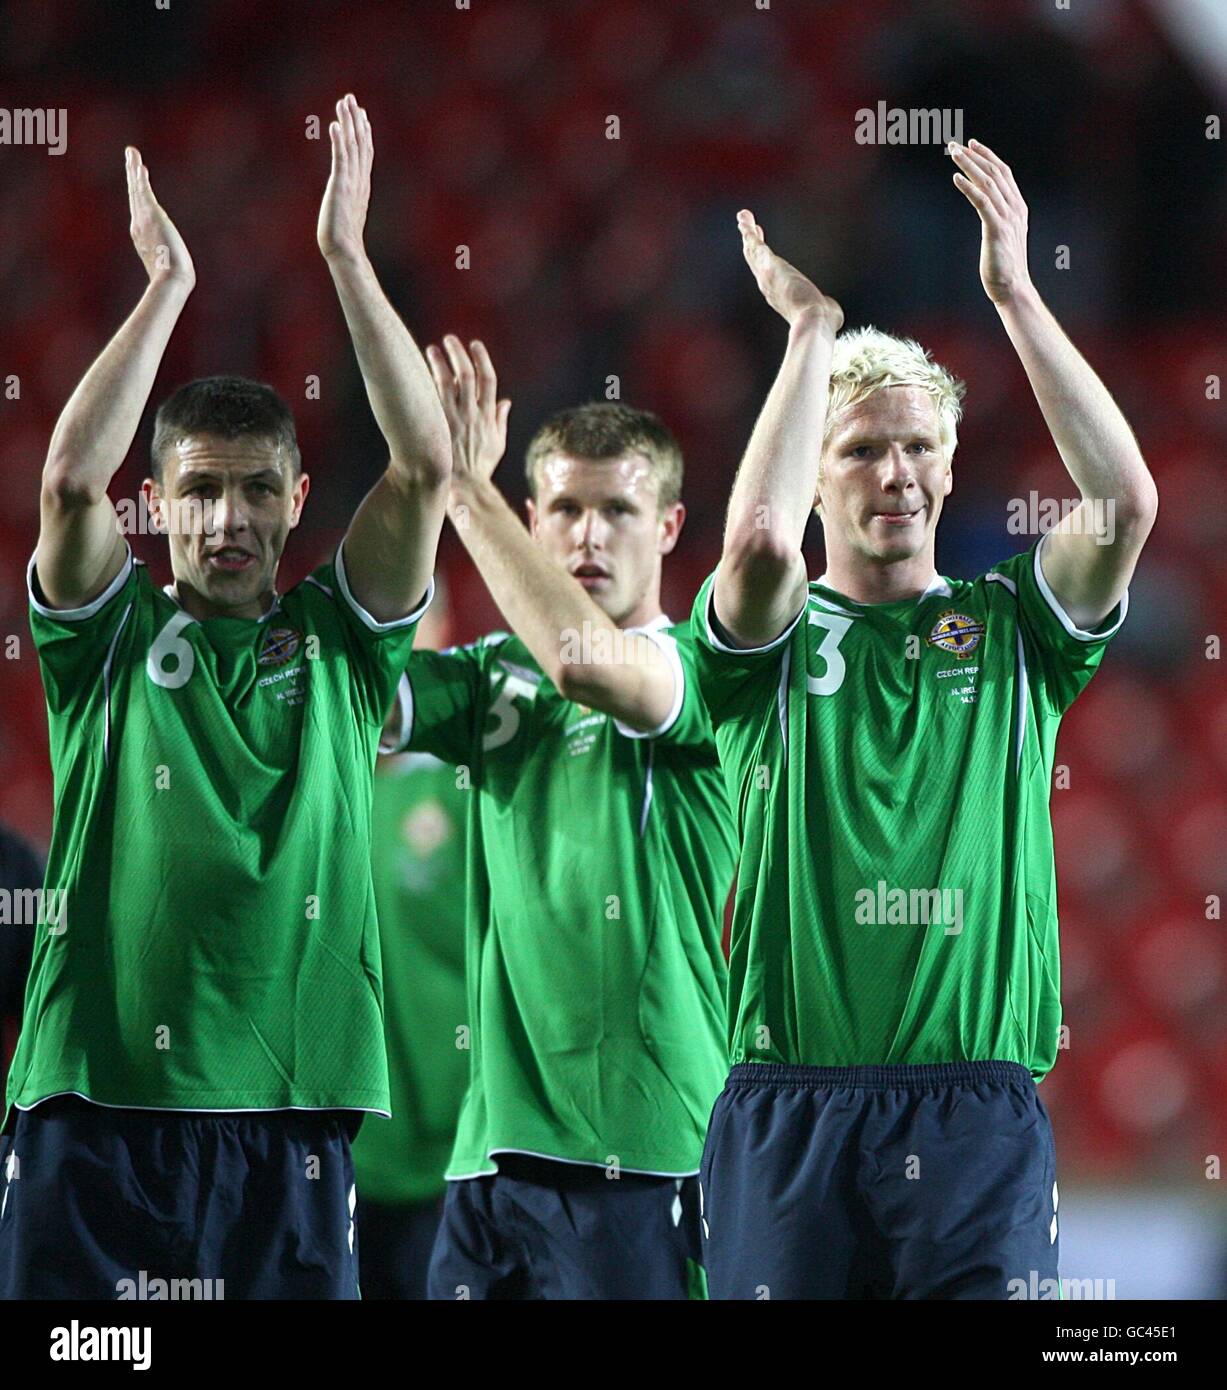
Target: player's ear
x,y
672,519
949,483
817,503
299,497
155,504
530,508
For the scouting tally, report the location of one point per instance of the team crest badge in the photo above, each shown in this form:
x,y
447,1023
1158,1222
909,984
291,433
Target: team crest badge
x,y
956,633
280,644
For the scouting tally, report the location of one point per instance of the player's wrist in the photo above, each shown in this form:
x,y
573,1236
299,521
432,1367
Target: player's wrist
x,y
345,257
1021,294
469,487
173,284
815,320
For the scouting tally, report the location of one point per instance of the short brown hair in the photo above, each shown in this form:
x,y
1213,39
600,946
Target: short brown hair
x,y
229,406
607,430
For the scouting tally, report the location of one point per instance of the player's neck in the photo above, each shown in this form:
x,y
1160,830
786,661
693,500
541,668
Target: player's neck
x,y
198,606
646,611
868,582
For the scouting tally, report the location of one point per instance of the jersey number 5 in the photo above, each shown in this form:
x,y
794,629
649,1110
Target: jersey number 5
x,y
828,649
506,713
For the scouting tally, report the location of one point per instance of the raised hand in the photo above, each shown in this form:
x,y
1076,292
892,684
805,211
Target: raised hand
x,y
468,388
788,292
988,185
162,250
343,211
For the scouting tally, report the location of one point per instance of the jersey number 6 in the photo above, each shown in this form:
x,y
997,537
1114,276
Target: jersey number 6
x,y
169,643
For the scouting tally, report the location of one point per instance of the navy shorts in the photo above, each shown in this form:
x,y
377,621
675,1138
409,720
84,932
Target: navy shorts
x,y
106,1203
878,1182
544,1229
396,1240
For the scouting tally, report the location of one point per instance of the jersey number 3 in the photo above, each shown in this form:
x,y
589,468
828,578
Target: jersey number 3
x,y
828,649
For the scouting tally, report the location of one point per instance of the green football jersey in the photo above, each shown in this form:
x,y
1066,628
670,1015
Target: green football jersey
x,y
210,940
890,766
417,848
599,861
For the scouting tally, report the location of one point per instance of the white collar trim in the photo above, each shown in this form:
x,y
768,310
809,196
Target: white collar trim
x,y
661,620
169,591
936,585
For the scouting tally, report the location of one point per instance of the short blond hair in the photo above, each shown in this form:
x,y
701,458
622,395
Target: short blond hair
x,y
866,360
602,430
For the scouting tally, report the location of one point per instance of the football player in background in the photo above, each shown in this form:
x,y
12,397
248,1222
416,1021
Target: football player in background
x,y
417,847
600,855
21,881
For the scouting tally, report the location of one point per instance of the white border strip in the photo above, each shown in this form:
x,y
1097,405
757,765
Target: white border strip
x,y
192,1110
574,1162
79,615
782,698
1054,603
1024,698
106,687
1020,672
709,609
370,622
647,793
404,703
666,644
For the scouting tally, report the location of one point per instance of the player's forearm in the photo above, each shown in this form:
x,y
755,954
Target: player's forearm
x,y
1092,436
398,382
761,568
536,598
774,491
576,644
96,428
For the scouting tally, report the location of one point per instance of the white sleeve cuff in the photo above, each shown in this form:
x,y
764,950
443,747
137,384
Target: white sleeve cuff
x,y
404,706
373,623
667,646
709,613
1055,604
79,615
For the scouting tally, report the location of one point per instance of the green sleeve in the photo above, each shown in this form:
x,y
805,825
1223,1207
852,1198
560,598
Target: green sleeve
x,y
736,682
687,724
1061,658
439,703
77,647
378,651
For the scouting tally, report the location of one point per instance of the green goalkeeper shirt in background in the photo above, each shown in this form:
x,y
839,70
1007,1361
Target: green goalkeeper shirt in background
x,y
417,850
215,946
890,767
599,862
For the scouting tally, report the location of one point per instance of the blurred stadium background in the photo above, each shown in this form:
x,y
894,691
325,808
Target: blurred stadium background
x,y
593,258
